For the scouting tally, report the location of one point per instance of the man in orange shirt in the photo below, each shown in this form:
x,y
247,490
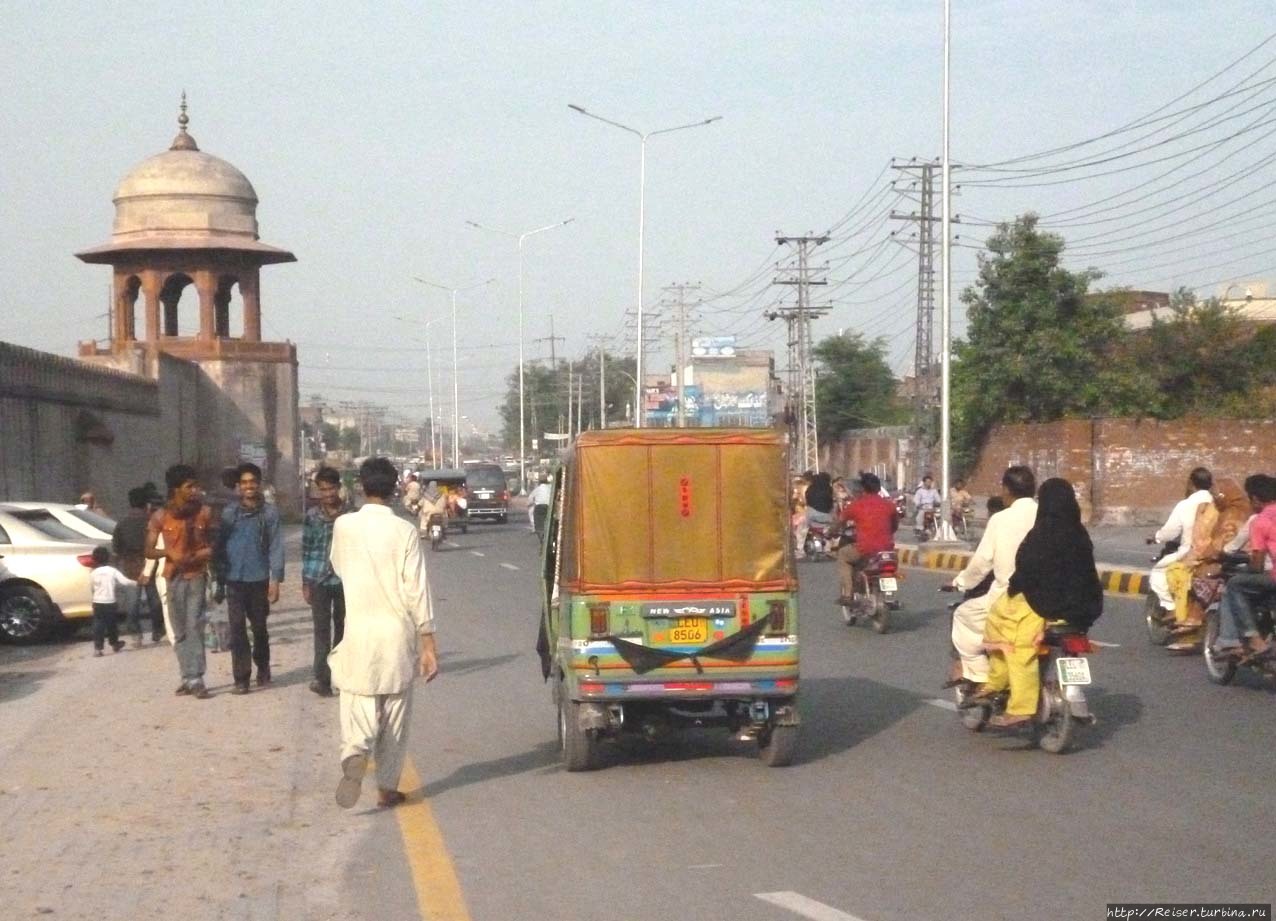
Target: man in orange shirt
x,y
186,526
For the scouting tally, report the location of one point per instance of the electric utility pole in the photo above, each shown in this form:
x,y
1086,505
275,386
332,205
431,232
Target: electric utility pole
x,y
601,342
800,276
679,303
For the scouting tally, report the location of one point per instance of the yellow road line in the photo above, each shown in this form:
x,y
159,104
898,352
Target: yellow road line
x,y
438,891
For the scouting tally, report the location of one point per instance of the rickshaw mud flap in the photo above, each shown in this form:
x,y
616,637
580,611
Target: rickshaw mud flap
x,y
591,716
735,648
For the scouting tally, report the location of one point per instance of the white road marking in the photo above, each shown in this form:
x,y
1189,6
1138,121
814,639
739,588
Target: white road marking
x,y
1105,645
943,704
705,866
509,566
807,908
478,553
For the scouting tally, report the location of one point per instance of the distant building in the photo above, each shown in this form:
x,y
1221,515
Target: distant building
x,y
723,386
1250,300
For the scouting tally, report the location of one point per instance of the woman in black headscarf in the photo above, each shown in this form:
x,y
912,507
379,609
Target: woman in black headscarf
x,y
1055,579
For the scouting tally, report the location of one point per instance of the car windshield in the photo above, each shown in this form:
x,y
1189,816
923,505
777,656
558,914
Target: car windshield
x,y
100,522
46,524
486,478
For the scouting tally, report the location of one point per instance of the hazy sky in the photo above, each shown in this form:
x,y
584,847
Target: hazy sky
x,y
373,132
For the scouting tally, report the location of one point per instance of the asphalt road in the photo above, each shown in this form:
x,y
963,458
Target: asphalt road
x,y
893,811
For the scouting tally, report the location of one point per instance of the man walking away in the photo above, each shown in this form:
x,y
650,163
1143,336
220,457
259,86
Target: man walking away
x,y
320,585
538,504
186,526
251,558
128,543
389,635
1002,536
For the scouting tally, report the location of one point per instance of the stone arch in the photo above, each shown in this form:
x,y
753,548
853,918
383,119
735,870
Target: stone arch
x,y
228,306
170,297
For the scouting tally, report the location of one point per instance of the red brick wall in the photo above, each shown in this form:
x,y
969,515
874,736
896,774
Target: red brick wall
x,y
1126,470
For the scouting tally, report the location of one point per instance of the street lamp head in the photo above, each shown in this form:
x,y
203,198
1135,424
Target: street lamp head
x,y
572,105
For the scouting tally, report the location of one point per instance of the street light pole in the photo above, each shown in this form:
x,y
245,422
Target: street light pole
x,y
642,220
522,427
944,526
456,429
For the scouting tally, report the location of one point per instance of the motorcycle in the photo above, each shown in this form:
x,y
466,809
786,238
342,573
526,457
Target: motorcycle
x,y
1222,669
1160,622
961,518
876,591
818,544
929,529
1061,705
434,528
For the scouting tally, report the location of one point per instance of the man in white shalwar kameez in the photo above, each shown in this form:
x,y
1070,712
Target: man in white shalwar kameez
x,y
389,635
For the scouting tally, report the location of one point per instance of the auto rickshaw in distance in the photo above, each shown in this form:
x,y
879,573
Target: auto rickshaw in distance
x,y
452,483
670,590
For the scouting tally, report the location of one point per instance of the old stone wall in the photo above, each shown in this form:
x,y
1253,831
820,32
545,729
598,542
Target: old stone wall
x,y
1128,471
883,451
68,427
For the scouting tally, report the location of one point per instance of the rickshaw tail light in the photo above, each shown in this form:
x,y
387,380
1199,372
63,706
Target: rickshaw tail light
x,y
598,619
778,612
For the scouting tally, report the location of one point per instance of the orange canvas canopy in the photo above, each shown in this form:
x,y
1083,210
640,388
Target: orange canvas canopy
x,y
677,510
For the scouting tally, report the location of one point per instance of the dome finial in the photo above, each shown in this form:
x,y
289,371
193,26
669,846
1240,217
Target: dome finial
x,y
183,141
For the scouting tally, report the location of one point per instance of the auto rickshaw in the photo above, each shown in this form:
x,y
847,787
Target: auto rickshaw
x,y
451,483
670,590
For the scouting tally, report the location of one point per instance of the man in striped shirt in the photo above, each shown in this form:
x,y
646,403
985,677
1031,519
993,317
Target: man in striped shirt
x,y
320,585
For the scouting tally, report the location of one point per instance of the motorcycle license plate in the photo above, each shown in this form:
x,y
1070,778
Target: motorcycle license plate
x,y
888,584
1073,671
688,630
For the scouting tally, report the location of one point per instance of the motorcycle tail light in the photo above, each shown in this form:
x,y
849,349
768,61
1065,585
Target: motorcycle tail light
x,y
598,619
503,495
85,560
1076,645
888,569
778,611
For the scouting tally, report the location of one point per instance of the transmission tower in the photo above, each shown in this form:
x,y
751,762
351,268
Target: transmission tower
x,y
800,275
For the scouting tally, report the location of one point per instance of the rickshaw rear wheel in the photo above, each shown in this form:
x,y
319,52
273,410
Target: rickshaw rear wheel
x,y
777,745
579,746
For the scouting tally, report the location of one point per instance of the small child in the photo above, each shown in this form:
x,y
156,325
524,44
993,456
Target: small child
x,y
105,579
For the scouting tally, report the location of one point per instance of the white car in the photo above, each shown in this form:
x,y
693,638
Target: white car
x,y
83,521
44,575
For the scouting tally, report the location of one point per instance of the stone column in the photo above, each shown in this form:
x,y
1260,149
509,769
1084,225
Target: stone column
x,y
150,291
249,290
206,287
121,330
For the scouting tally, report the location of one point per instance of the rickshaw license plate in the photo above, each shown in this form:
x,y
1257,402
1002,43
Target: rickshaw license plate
x,y
888,584
1073,671
688,630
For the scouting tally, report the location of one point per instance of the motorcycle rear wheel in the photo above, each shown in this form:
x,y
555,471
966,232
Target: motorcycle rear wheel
x,y
849,617
1055,733
1218,670
973,718
879,612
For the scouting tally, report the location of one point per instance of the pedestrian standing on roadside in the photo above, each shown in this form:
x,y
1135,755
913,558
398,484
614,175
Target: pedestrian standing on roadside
x,y
250,557
186,525
104,580
320,585
389,635
128,542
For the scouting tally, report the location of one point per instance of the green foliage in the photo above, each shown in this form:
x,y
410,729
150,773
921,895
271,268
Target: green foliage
x,y
1039,347
854,387
1206,360
545,396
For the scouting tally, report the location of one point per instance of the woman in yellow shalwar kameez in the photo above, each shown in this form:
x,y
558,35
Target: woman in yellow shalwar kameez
x,y
1055,579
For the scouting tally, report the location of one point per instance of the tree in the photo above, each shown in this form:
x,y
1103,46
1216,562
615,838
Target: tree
x,y
1039,346
854,387
1206,360
545,395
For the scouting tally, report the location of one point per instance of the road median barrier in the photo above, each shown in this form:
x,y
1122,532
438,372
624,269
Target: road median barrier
x,y
1115,579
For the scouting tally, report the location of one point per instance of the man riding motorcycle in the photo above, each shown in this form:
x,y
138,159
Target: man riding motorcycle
x,y
875,521
925,499
1179,526
1236,611
1002,536
432,502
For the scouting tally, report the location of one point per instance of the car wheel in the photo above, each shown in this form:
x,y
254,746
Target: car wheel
x,y
27,614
